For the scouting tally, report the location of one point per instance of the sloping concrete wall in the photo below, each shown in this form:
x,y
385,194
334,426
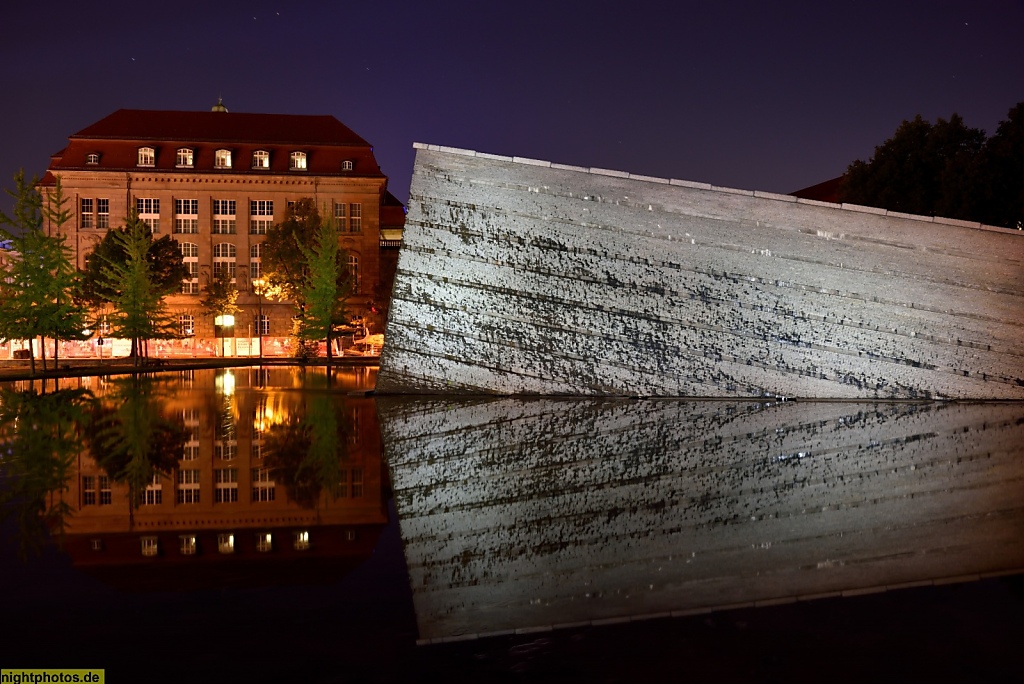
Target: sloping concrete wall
x,y
519,276
527,514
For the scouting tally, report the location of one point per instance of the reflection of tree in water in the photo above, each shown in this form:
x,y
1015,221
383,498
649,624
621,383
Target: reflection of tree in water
x,y
305,451
38,434
129,436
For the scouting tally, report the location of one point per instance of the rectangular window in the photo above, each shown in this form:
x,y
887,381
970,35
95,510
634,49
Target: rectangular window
x,y
339,216
261,216
88,490
105,493
103,213
184,159
226,480
355,218
184,226
85,213
262,485
153,495
148,209
224,226
223,207
222,159
189,207
187,216
263,324
188,486
357,482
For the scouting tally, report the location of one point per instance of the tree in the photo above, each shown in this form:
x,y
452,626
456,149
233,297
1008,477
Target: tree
x,y
1002,174
923,169
326,286
37,298
139,311
284,264
164,256
65,319
301,257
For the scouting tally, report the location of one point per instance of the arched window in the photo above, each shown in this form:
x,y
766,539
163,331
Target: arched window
x,y
261,159
184,160
147,156
222,159
298,161
347,165
190,257
353,272
93,158
224,260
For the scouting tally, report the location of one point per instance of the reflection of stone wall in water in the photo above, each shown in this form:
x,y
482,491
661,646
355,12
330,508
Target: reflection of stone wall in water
x,y
534,278
546,512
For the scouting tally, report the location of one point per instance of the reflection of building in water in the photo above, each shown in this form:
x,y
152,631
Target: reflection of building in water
x,y
225,500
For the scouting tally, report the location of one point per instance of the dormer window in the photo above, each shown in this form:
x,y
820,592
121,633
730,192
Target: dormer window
x,y
347,165
92,159
222,159
184,158
261,159
147,156
298,161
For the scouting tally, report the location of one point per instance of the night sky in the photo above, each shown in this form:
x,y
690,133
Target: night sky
x,y
758,95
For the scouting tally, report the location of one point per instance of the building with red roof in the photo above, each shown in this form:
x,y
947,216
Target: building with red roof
x,y
216,181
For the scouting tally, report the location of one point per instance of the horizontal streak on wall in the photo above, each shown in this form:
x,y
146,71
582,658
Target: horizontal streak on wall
x,y
516,278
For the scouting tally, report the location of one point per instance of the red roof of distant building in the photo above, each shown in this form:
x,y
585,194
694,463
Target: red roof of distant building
x,y
826,191
293,129
116,139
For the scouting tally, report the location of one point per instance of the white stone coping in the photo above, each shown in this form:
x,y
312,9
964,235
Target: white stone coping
x,y
714,188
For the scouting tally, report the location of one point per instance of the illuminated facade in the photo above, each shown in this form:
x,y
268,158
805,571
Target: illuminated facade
x,y
216,181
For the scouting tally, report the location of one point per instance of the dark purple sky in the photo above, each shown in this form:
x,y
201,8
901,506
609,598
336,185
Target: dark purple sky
x,y
758,95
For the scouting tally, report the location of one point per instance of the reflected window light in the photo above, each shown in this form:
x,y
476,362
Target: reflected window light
x,y
226,542
264,542
225,383
301,540
187,544
150,546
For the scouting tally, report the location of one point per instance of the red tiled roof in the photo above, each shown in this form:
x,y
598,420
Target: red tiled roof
x,y
116,139
286,129
826,191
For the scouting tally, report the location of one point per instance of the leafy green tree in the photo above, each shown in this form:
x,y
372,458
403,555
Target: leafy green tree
x,y
164,256
37,298
923,169
326,286
284,264
139,310
221,296
65,318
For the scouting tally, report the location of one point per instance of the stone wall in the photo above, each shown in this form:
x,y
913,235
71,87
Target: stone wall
x,y
539,513
524,277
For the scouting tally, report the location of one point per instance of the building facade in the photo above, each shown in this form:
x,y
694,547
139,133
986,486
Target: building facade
x,y
216,182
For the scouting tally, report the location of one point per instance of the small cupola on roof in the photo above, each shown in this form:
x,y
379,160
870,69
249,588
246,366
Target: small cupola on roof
x,y
219,107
